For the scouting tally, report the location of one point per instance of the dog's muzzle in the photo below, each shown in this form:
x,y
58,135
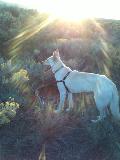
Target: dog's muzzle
x,y
42,62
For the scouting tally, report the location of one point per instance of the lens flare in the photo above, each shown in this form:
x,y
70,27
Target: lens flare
x,y
71,10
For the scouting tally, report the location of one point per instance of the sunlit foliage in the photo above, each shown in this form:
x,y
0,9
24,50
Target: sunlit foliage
x,y
8,111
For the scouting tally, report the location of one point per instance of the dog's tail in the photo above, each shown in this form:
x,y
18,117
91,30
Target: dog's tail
x,y
114,104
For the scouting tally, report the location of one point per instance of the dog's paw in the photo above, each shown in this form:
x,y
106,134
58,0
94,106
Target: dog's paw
x,y
94,121
58,111
69,109
99,119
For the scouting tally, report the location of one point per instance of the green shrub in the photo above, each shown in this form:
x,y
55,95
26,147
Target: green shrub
x,y
8,111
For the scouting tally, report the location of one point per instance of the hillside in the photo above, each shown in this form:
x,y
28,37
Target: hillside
x,y
27,38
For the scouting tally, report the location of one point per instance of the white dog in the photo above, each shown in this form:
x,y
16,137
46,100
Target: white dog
x,y
68,81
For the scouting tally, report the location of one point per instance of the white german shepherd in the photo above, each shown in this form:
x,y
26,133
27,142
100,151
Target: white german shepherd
x,y
68,81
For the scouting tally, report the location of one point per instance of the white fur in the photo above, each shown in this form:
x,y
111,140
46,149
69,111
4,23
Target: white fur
x,y
105,91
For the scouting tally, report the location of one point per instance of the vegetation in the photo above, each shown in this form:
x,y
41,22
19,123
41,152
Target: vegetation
x,y
27,38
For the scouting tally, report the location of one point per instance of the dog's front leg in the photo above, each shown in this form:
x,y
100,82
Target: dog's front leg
x,y
62,100
62,92
70,101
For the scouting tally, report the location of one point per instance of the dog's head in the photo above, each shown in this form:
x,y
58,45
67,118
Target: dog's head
x,y
53,59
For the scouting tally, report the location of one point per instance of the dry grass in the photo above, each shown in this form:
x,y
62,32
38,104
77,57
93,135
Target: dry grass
x,y
38,134
53,124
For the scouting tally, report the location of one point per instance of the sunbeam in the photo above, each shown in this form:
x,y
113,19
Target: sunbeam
x,y
26,34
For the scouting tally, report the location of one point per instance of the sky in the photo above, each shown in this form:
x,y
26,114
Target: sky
x,y
75,9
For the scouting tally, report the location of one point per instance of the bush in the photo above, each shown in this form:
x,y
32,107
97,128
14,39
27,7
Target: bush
x,y
8,111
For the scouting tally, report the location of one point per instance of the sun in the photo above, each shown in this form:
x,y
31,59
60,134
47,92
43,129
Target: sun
x,y
74,9
71,10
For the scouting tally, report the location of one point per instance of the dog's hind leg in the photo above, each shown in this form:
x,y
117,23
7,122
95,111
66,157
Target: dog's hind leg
x,y
102,108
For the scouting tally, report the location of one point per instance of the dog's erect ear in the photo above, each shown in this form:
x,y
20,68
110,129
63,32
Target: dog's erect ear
x,y
56,53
